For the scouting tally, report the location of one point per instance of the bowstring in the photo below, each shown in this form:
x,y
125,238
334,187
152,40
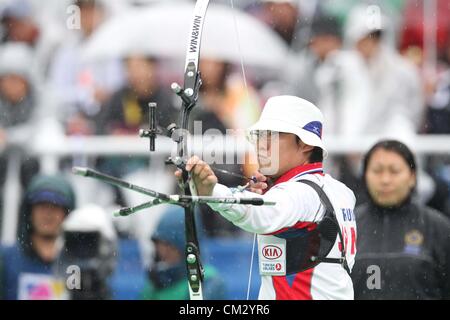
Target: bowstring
x,y
251,267
247,93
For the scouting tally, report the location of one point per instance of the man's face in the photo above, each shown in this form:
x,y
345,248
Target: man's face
x,y
278,152
323,45
389,178
22,30
47,219
90,17
167,253
212,72
282,17
367,47
141,74
13,87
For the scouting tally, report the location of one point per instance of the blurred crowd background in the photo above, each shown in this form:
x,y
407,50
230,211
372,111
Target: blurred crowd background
x,y
88,69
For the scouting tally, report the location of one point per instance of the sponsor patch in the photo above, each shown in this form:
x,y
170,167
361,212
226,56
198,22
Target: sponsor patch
x,y
272,255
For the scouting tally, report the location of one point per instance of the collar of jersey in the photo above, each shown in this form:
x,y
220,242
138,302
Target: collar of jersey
x,y
295,173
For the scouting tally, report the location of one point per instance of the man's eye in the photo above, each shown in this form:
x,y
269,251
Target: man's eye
x,y
376,170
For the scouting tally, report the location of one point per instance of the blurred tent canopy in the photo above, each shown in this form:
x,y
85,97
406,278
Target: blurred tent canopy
x,y
161,30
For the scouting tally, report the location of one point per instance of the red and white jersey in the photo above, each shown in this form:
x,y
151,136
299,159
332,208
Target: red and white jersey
x,y
298,206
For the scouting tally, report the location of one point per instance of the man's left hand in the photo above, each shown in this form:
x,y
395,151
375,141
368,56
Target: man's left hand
x,y
202,175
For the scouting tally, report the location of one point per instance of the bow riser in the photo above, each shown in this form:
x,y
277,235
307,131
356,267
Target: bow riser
x,y
189,96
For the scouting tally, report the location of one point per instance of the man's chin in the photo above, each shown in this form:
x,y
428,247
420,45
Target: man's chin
x,y
386,202
47,235
268,171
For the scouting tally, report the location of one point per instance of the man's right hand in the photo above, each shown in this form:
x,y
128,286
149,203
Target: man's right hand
x,y
205,179
260,185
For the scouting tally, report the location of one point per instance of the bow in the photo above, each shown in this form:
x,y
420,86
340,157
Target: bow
x,y
187,198
189,96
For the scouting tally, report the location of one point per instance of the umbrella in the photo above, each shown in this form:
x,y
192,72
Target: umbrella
x,y
161,30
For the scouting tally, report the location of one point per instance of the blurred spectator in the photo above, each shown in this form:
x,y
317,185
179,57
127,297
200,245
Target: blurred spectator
x,y
342,8
438,169
209,113
23,105
127,111
21,99
224,94
332,78
226,103
337,82
438,122
438,111
18,23
291,20
403,247
21,23
281,16
168,274
17,96
27,266
89,242
83,86
393,109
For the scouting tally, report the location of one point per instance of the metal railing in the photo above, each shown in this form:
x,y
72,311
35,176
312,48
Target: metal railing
x,y
85,147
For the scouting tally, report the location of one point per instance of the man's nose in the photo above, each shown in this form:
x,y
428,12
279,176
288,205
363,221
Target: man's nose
x,y
386,178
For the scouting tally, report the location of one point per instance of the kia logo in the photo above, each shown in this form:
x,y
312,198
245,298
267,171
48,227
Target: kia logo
x,y
271,252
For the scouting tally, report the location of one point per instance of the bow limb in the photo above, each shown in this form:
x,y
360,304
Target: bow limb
x,y
189,96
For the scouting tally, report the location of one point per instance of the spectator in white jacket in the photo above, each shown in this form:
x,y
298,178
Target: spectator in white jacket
x,y
396,95
26,110
332,78
83,86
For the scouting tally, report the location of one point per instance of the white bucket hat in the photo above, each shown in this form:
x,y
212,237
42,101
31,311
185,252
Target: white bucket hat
x,y
362,21
290,114
16,58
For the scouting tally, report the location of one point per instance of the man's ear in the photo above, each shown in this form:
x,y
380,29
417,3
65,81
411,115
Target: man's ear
x,y
413,181
306,148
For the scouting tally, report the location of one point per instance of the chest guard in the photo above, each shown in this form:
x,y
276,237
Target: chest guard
x,y
305,249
